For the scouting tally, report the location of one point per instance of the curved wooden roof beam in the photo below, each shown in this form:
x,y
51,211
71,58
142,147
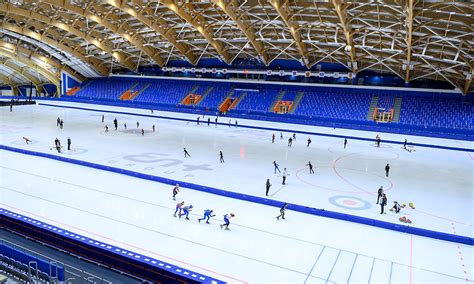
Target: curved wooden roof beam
x,y
409,22
48,60
20,71
230,9
283,10
104,45
54,78
92,61
135,39
6,80
169,35
200,24
344,22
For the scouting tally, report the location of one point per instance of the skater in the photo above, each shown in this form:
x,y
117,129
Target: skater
x,y
282,212
290,141
58,145
377,140
11,107
61,124
284,175
153,128
227,218
396,207
186,153
197,120
179,208
379,194
125,126
273,138
310,167
175,191
294,136
138,124
26,140
345,143
115,124
102,118
207,215
281,135
276,167
405,144
58,121
221,156
186,210
236,124
383,203
143,132
267,185
208,121
229,122
106,129
69,143
151,111
216,121
387,169
309,142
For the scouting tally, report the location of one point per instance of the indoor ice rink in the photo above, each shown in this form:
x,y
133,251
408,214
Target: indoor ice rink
x,y
137,214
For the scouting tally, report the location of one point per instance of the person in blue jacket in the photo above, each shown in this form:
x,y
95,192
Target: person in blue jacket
x,y
207,215
186,210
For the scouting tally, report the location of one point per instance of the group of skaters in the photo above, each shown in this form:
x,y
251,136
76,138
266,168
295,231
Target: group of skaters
x,y
57,144
198,121
382,200
115,121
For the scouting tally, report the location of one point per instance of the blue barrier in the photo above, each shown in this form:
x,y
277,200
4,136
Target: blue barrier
x,y
271,129
398,128
259,200
112,256
51,269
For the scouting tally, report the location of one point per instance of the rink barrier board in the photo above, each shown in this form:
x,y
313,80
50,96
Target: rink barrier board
x,y
270,128
112,256
362,125
255,199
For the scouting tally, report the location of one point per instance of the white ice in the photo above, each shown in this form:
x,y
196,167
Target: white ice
x,y
137,215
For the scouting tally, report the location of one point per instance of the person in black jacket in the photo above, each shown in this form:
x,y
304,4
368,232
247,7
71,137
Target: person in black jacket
x,y
379,194
268,185
221,156
383,203
69,143
310,167
387,169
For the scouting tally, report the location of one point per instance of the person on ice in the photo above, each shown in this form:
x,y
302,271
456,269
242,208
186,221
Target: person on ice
x,y
69,143
267,186
143,132
284,175
102,118
227,218
106,129
396,207
179,208
310,167
58,121
379,194
281,135
186,153
276,167
11,107
405,144
125,126
197,120
216,121
294,136
207,215
273,138
186,210
153,128
345,143
115,124
138,124
175,191
282,212
58,145
221,156
387,169
290,141
26,140
309,142
208,121
383,203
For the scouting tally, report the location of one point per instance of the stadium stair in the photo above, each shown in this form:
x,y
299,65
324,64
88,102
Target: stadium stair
x,y
72,91
373,105
397,106
185,100
237,101
296,102
128,93
277,100
204,95
137,93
